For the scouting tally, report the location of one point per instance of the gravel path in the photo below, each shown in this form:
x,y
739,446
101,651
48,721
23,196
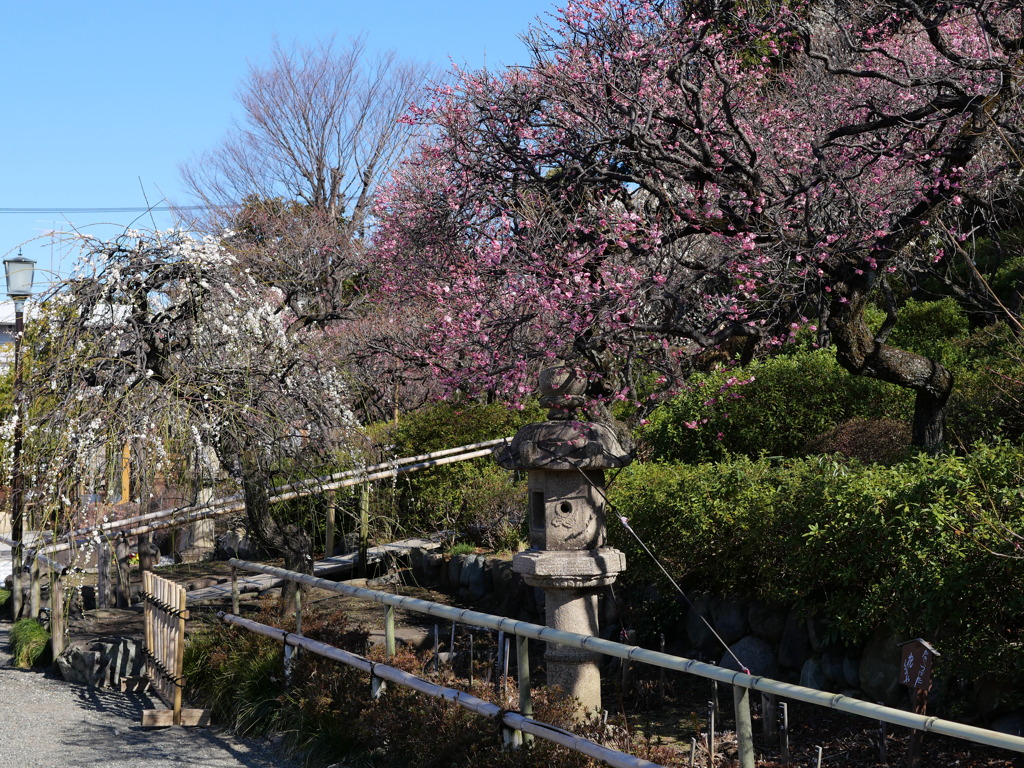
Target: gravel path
x,y
45,721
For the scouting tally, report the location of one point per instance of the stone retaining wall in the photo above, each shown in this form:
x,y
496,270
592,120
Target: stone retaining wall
x,y
773,641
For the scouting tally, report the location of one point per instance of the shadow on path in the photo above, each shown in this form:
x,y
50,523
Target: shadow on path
x,y
49,722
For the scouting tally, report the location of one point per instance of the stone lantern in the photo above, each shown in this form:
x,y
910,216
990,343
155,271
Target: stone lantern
x,y
565,459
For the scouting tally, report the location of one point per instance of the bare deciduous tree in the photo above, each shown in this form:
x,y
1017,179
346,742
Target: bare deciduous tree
x,y
294,181
321,126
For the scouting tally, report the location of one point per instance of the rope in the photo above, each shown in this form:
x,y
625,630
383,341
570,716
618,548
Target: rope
x,y
625,524
628,527
178,613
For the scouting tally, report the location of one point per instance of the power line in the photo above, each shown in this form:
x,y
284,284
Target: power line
x,y
126,209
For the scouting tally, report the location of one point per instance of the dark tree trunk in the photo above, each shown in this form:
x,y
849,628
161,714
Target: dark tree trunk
x,y
288,540
859,352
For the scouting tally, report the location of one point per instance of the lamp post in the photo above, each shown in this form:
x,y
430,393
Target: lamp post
x,y
20,273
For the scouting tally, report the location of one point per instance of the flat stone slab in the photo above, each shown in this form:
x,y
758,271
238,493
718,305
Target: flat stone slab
x,y
253,582
330,566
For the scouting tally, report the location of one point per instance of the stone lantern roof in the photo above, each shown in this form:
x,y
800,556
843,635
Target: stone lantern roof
x,y
564,443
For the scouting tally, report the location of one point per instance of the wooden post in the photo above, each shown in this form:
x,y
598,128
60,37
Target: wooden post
x,y
122,586
126,472
712,709
298,615
329,543
147,554
56,614
17,564
916,659
234,590
364,527
744,726
35,589
102,573
769,718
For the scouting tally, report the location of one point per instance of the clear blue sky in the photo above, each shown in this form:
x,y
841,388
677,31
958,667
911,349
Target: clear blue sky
x,y
103,100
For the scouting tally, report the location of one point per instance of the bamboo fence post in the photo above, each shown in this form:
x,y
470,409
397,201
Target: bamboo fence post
x,y
56,613
179,651
329,543
35,588
389,631
523,671
147,610
744,726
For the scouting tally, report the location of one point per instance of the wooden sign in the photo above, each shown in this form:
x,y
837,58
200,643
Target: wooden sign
x,y
916,664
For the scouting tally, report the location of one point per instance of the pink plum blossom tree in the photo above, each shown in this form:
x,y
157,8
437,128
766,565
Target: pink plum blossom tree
x,y
665,176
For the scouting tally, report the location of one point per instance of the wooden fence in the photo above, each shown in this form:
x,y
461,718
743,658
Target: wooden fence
x,y
166,615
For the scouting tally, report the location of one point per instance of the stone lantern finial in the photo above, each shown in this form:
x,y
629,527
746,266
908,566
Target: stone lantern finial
x,y
562,392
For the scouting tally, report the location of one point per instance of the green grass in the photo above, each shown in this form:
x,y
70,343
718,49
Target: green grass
x,y
30,644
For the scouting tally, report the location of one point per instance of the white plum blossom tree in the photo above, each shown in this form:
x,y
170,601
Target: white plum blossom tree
x,y
161,340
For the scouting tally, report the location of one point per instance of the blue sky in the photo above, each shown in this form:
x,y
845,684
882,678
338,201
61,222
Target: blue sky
x,y
103,100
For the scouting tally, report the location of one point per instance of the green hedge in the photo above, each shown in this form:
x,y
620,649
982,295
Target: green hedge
x,y
924,548
789,400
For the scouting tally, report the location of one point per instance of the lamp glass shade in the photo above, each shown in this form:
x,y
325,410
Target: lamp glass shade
x,y
20,274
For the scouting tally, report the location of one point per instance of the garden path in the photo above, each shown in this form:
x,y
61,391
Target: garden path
x,y
45,721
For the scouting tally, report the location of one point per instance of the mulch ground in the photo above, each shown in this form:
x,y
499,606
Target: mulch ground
x,y
845,740
680,719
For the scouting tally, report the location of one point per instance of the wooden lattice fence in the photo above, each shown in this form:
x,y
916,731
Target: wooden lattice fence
x,y
166,615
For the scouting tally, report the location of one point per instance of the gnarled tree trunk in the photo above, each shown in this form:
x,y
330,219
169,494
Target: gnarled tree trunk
x,y
859,352
288,540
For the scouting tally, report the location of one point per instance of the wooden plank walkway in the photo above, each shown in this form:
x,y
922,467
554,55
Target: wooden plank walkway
x,y
329,566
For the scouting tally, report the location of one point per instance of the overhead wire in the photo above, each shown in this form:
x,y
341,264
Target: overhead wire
x,y
114,209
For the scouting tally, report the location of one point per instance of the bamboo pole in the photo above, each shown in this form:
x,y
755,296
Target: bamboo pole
x,y
834,701
179,651
137,524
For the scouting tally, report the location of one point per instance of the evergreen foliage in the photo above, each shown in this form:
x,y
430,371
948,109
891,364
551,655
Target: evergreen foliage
x,y
926,547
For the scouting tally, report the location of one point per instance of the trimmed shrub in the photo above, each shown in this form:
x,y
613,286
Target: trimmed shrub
x,y
477,500
788,400
928,547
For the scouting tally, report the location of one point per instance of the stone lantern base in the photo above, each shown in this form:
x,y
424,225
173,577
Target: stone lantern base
x,y
571,582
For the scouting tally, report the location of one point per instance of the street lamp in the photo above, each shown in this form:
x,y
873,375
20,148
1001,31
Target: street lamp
x,y
20,273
